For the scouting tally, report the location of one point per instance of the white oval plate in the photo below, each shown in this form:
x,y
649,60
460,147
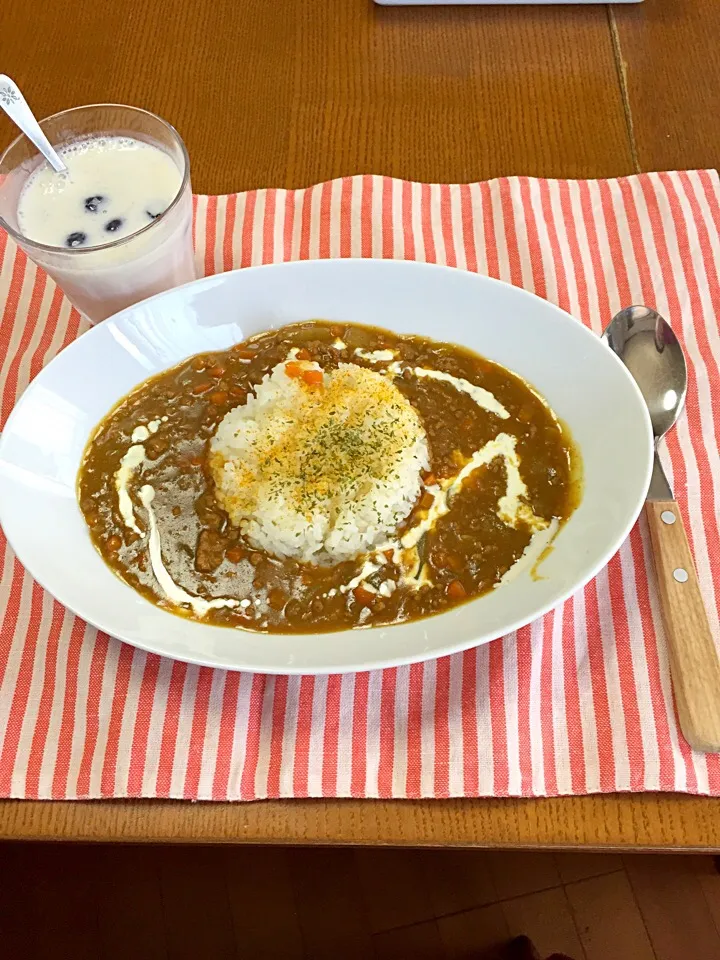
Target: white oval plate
x,y
586,385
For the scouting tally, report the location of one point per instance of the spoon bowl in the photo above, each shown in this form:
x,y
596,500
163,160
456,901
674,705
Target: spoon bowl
x,y
647,345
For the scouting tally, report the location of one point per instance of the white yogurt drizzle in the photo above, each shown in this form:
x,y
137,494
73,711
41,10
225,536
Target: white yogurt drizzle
x,y
131,460
368,569
483,398
129,463
532,552
142,432
375,356
511,510
172,591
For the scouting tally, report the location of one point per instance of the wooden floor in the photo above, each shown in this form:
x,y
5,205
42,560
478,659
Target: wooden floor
x,y
203,903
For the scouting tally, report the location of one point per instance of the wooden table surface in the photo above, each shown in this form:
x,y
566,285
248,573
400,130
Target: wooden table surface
x,y
291,92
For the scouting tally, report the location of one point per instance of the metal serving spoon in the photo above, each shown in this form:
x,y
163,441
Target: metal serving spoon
x,y
650,350
15,106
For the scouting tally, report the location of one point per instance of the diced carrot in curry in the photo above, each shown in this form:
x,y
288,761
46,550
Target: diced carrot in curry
x,y
456,591
303,354
313,377
201,388
219,397
293,369
364,597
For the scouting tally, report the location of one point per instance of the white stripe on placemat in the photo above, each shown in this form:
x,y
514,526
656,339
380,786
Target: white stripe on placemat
x,y
317,731
537,755
455,732
560,732
78,718
486,765
400,726
243,684
157,723
199,233
45,763
512,706
122,765
32,691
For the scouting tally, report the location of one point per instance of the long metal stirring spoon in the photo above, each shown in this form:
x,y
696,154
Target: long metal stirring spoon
x,y
13,103
646,344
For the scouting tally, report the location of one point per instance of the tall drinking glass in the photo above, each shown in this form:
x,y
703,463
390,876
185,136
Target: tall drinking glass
x,y
118,227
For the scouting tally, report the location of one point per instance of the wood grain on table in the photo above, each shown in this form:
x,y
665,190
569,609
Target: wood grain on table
x,y
293,92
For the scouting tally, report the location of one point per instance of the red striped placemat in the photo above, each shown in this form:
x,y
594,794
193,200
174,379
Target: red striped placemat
x,y
578,702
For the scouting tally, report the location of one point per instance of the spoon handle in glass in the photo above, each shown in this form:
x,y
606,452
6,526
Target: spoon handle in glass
x,y
15,106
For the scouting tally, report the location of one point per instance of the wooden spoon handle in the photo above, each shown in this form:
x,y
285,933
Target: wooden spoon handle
x,y
694,661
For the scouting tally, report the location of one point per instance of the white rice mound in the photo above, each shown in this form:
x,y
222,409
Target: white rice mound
x,y
320,472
